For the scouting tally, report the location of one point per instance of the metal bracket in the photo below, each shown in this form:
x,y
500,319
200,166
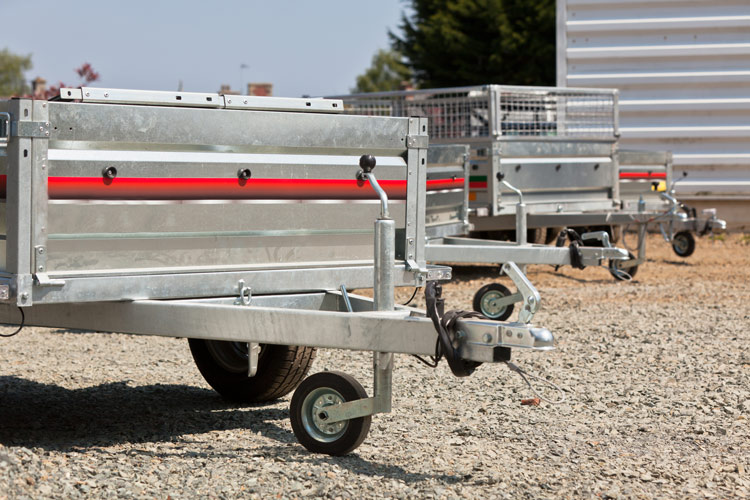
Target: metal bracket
x,y
29,129
417,141
253,350
531,298
40,259
43,280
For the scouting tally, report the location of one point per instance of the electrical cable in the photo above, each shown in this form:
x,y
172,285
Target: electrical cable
x,y
20,327
416,289
524,374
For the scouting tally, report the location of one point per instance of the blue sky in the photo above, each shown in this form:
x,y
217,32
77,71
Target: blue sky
x,y
302,47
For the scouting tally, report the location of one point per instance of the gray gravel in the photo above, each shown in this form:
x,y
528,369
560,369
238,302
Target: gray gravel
x,y
656,374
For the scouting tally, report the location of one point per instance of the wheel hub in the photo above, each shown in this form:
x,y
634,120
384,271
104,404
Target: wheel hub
x,y
681,244
490,306
315,416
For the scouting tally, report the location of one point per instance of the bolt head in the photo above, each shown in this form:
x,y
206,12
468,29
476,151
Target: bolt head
x,y
487,338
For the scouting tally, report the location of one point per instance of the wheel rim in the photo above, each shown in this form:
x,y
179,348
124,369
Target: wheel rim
x,y
680,244
314,415
489,304
231,356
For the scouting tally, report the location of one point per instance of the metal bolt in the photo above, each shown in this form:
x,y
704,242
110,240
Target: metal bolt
x,y
487,338
40,250
24,297
88,94
244,101
106,94
520,335
40,269
229,101
461,334
509,334
411,241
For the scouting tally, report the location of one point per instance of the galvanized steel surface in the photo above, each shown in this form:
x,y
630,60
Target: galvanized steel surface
x,y
181,240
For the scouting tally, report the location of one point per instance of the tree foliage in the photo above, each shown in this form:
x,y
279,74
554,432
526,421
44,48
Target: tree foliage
x,y
12,80
468,42
386,72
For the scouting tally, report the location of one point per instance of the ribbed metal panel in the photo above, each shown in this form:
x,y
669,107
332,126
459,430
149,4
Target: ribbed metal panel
x,y
683,71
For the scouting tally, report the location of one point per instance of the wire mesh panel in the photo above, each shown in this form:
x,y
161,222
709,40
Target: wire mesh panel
x,y
498,111
453,114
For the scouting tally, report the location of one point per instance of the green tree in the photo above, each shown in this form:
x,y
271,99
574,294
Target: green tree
x,y
387,72
12,80
468,42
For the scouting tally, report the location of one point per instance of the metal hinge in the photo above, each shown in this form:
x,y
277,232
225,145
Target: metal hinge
x,y
417,141
29,129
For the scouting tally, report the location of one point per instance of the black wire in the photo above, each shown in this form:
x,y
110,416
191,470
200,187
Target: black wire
x,y
416,289
20,327
435,360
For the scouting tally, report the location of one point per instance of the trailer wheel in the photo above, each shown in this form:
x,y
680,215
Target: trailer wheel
x,y
308,416
486,302
224,366
618,272
683,244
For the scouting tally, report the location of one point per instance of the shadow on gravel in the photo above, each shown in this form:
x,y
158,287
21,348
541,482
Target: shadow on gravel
x,y
53,417
682,263
359,465
578,280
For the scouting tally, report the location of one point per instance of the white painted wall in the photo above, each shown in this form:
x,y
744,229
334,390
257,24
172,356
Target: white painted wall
x,y
683,70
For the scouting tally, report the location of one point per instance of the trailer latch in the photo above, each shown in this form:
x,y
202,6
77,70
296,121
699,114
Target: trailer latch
x,y
43,280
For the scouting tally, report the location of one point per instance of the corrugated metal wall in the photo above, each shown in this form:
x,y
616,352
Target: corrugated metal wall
x,y
683,70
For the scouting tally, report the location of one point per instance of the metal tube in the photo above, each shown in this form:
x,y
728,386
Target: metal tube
x,y
385,255
384,291
521,223
381,193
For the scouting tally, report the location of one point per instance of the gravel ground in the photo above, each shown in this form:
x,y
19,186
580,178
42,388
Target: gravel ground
x,y
656,374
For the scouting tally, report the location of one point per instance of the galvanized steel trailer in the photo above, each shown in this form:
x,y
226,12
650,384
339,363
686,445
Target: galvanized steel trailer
x,y
552,152
447,224
240,223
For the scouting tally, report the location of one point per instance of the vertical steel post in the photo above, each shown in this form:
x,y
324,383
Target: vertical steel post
x,y
521,229
385,254
383,286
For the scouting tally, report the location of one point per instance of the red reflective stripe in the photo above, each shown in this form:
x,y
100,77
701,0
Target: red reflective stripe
x,y
437,184
643,175
477,185
148,188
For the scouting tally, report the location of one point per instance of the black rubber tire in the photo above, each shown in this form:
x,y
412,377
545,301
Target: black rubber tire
x,y
354,431
493,288
616,271
280,369
683,244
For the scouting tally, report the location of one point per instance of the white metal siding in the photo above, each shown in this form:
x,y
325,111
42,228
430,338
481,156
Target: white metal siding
x,y
683,70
